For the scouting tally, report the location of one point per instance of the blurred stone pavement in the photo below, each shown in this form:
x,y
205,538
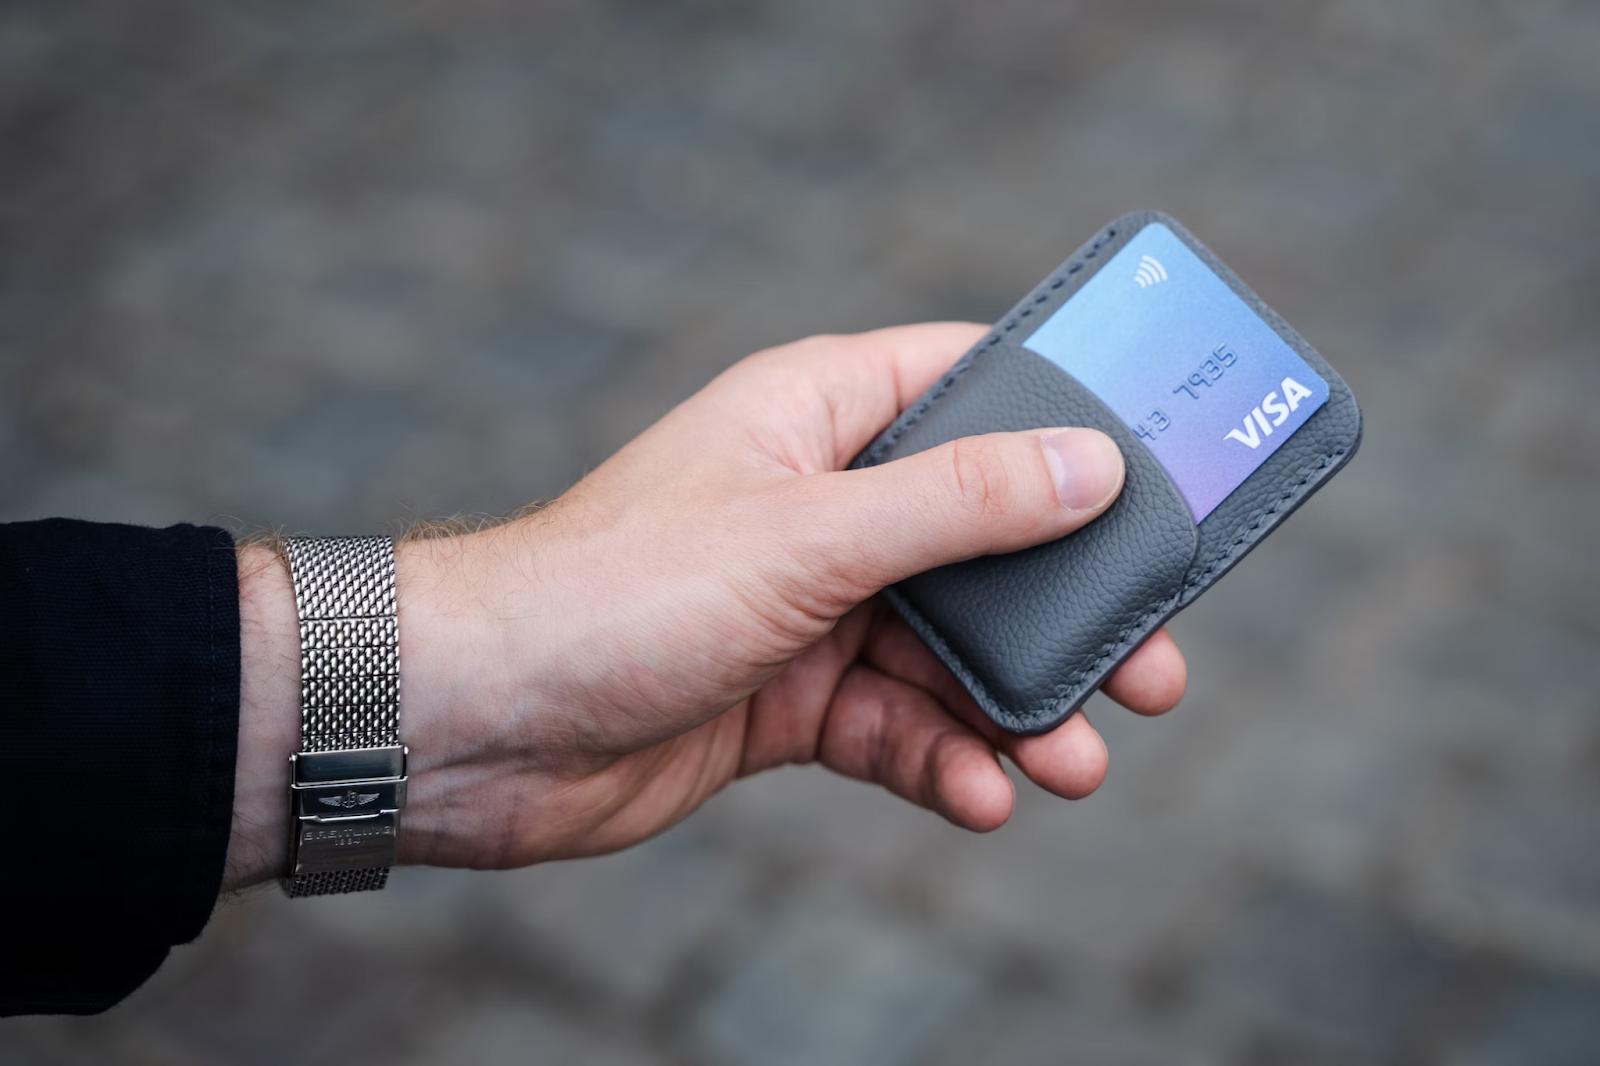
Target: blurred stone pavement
x,y
336,266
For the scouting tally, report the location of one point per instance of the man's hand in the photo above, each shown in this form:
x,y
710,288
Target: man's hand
x,y
703,607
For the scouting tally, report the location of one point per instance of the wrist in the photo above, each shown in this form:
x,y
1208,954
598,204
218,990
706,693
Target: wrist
x,y
269,718
440,666
468,699
436,631
477,663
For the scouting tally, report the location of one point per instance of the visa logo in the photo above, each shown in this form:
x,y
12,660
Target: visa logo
x,y
1258,424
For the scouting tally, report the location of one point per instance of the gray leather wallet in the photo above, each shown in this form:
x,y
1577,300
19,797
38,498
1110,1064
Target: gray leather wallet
x,y
1034,633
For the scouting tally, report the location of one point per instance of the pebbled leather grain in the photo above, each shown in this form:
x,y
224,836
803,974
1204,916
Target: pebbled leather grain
x,y
1034,633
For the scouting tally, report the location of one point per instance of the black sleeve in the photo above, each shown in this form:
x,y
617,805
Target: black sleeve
x,y
119,716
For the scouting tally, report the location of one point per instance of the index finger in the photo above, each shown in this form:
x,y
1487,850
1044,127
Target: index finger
x,y
867,379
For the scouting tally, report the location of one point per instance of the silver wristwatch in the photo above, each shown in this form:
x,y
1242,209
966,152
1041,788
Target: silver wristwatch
x,y
348,784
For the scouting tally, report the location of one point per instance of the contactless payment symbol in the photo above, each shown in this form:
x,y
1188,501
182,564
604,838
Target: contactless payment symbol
x,y
1150,272
1201,380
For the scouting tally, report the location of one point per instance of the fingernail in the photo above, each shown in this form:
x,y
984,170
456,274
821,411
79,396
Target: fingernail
x,y
1086,465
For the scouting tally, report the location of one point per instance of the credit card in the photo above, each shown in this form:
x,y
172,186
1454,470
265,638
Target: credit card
x,y
1197,375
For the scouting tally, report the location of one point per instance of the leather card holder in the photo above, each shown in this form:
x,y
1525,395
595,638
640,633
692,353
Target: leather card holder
x,y
1032,634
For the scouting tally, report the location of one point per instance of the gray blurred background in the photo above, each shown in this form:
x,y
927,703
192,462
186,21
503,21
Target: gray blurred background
x,y
335,266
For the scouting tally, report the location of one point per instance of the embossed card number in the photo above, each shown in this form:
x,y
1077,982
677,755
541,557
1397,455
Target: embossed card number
x,y
1210,387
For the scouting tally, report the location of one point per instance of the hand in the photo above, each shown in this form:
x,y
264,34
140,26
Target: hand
x,y
702,607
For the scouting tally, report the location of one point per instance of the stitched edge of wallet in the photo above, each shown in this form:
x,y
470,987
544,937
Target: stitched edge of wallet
x,y
1086,680
913,414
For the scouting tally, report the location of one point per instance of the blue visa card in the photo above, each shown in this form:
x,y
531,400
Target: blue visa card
x,y
1197,375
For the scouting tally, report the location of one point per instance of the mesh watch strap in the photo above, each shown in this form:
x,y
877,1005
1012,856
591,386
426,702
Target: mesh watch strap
x,y
349,774
333,882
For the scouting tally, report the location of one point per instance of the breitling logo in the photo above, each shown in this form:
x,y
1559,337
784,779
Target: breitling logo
x,y
352,798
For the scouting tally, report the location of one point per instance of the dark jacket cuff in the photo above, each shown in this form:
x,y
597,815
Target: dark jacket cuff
x,y
119,668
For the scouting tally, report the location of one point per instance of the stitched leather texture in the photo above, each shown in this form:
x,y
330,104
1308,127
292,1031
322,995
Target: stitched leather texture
x,y
1033,634
1291,474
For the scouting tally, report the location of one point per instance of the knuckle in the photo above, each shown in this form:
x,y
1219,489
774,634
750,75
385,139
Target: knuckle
x,y
816,346
821,341
983,483
795,355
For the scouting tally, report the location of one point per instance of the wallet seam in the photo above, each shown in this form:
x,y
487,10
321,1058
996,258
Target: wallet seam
x,y
1261,516
914,415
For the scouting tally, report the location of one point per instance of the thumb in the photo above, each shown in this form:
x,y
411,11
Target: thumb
x,y
974,496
